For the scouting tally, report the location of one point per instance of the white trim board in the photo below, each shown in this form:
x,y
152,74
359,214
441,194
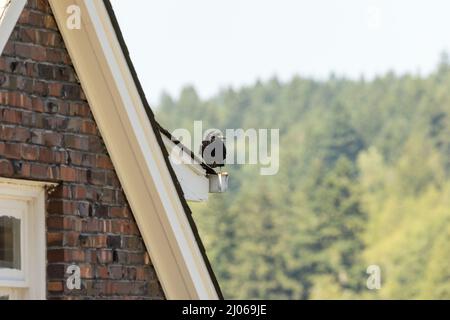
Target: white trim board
x,y
191,175
10,11
135,151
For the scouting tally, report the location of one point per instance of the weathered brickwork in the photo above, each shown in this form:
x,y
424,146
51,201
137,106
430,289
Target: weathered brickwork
x,y
47,133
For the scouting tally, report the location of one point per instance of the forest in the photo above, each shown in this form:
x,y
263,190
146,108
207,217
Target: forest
x,y
364,180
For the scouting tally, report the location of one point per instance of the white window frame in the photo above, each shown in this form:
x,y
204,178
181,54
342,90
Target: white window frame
x,y
30,282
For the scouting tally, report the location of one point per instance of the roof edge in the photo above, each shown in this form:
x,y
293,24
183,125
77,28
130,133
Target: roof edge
x,y
157,129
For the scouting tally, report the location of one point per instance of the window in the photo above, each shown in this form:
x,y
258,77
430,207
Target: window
x,y
22,240
10,242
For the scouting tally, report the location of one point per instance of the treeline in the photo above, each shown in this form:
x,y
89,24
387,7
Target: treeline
x,y
364,180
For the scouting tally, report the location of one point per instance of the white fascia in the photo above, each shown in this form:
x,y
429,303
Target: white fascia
x,y
190,174
10,11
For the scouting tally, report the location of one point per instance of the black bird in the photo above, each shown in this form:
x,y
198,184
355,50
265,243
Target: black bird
x,y
214,151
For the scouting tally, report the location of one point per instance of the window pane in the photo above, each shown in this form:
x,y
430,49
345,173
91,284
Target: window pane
x,y
10,243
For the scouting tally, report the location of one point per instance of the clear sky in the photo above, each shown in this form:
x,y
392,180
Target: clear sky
x,y
213,44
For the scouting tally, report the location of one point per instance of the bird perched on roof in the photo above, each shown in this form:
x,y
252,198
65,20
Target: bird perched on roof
x,y
213,150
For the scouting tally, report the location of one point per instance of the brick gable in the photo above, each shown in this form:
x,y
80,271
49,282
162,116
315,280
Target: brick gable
x,y
47,133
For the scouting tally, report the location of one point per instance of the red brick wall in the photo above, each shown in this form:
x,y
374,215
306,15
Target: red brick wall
x,y
47,133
